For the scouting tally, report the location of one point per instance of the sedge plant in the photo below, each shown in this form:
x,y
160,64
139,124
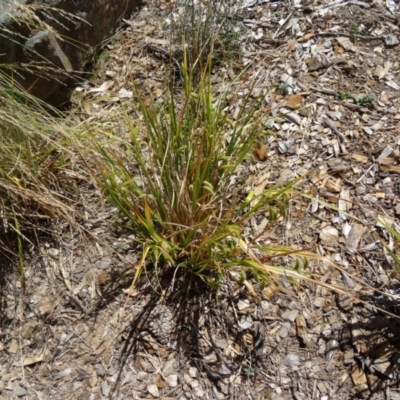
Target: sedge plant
x,y
178,185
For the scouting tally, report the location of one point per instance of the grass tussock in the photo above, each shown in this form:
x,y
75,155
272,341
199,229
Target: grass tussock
x,y
35,152
180,190
206,30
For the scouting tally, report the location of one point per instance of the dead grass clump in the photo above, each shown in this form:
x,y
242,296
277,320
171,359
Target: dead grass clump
x,y
35,150
206,29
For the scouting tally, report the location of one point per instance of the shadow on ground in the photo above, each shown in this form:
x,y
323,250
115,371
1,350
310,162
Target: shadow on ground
x,y
185,316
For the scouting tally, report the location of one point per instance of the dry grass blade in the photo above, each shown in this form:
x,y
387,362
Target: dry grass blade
x,y
36,149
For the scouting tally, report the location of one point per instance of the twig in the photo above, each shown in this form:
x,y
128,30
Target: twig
x,y
351,36
325,91
280,26
365,173
331,125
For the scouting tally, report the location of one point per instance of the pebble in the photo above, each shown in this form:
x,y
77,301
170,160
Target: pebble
x,y
172,380
99,370
104,388
292,360
20,392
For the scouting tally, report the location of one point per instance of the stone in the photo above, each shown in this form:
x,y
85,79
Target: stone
x,y
62,44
